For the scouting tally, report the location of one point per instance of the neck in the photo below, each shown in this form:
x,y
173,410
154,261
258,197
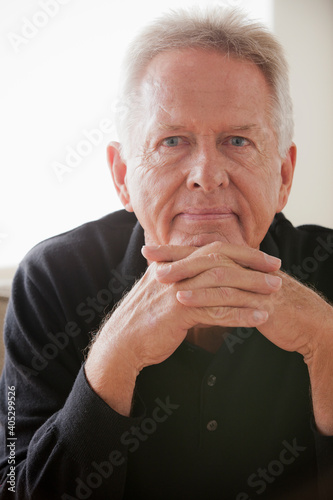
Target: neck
x,y
210,338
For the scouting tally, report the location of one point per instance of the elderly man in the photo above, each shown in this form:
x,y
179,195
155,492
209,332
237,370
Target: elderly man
x,y
212,377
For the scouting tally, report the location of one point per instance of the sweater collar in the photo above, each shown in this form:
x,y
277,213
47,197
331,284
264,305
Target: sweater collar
x,y
133,264
268,244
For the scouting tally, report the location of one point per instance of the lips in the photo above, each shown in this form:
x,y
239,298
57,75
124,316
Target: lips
x,y
197,214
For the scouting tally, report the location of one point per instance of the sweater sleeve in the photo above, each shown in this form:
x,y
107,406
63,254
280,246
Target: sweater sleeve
x,y
324,450
62,440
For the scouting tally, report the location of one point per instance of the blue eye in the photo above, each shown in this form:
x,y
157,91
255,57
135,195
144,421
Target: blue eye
x,y
171,142
238,141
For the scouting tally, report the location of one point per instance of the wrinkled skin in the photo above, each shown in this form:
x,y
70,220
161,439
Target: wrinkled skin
x,y
207,167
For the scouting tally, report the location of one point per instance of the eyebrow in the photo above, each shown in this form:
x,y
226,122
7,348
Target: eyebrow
x,y
169,127
245,127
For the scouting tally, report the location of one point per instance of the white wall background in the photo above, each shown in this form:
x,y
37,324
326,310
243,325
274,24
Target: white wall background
x,y
59,83
305,28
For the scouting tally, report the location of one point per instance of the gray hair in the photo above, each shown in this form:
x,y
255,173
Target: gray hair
x,y
216,28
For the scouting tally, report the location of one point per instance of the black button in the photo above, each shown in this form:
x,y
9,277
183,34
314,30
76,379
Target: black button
x,y
212,425
211,380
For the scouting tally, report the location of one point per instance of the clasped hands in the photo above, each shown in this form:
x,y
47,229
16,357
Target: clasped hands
x,y
219,284
231,285
239,286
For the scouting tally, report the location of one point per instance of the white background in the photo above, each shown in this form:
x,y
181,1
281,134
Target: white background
x,y
56,86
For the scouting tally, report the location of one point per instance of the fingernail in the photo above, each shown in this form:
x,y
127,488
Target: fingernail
x,y
272,260
163,271
149,247
260,316
185,294
273,281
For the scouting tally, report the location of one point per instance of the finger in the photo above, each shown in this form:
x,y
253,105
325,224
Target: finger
x,y
231,316
167,253
233,277
202,261
243,255
223,297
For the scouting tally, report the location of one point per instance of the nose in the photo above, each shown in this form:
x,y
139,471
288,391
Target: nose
x,y
208,170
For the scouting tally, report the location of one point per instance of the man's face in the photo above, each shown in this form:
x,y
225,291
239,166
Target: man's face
x,y
208,166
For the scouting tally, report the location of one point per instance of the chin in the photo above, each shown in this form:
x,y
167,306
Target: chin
x,y
200,240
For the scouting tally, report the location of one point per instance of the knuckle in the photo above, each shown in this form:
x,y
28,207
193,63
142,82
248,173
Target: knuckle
x,y
269,307
239,315
212,246
216,247
205,294
216,312
220,274
225,293
254,252
219,245
216,258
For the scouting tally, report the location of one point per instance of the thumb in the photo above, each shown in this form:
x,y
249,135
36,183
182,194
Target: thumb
x,y
166,253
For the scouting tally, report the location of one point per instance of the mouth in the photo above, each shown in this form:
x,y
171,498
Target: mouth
x,y
206,214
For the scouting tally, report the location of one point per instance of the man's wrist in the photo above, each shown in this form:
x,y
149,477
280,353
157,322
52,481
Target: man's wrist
x,y
111,374
320,366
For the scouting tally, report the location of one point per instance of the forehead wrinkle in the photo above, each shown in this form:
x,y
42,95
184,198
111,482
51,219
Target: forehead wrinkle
x,y
161,125
161,107
169,126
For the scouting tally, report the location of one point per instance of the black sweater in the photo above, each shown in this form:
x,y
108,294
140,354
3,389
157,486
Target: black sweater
x,y
232,425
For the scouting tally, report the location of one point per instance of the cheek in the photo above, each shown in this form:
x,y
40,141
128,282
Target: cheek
x,y
154,187
259,190
271,187
266,179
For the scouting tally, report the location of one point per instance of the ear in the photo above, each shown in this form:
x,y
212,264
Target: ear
x,y
287,175
118,169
